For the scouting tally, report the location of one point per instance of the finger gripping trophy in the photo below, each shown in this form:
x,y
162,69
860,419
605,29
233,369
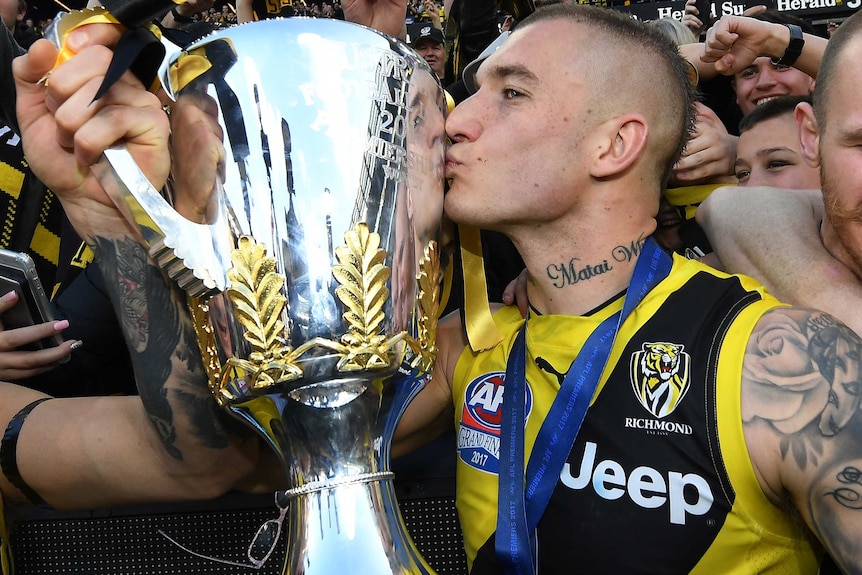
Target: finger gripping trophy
x,y
314,284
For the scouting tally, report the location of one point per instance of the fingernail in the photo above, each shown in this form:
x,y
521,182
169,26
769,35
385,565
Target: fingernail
x,y
77,345
61,325
11,296
77,39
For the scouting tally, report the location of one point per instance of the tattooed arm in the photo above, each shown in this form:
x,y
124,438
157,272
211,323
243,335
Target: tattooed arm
x,y
168,443
773,236
802,386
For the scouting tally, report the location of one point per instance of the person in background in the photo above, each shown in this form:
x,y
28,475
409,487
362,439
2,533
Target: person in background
x,y
251,10
804,244
184,14
768,152
428,42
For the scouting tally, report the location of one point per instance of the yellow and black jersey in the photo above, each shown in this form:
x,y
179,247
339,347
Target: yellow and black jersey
x,y
264,9
659,479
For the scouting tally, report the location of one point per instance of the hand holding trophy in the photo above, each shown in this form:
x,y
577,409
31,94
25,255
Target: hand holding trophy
x,y
313,273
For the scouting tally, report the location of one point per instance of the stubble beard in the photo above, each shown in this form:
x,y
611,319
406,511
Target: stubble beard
x,y
847,223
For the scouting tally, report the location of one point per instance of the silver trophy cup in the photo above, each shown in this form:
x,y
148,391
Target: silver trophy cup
x,y
314,282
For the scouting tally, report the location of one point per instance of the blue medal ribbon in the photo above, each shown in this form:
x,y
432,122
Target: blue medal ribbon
x,y
522,500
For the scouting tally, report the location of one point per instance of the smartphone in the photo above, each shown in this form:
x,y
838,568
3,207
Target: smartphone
x,y
18,273
704,8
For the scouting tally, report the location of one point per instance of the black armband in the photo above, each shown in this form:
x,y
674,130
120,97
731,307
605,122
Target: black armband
x,y
9,452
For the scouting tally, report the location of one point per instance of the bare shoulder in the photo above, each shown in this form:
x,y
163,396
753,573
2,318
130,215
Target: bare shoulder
x,y
801,392
760,202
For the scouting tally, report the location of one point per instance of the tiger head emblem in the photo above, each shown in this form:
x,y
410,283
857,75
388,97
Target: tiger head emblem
x,y
660,376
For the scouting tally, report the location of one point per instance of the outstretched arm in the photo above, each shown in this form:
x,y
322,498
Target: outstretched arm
x,y
772,235
386,16
802,387
170,442
734,42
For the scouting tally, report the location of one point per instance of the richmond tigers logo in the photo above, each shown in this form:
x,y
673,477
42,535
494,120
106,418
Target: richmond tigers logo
x,y
660,376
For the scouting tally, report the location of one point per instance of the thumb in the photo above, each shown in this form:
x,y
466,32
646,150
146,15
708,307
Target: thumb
x,y
33,65
30,71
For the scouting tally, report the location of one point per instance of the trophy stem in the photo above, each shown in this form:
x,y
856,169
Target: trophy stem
x,y
343,514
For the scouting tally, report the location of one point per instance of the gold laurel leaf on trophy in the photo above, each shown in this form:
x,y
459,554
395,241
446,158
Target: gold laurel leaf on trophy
x,y
429,279
362,276
255,293
207,346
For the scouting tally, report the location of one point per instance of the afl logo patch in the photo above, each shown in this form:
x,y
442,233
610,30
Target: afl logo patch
x,y
479,429
660,376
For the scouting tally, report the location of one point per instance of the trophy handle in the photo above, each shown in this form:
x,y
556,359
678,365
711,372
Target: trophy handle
x,y
193,255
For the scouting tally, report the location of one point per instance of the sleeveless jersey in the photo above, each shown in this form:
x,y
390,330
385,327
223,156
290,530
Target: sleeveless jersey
x,y
659,479
264,9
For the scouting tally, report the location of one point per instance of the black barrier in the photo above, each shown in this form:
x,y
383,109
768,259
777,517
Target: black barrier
x,y
132,541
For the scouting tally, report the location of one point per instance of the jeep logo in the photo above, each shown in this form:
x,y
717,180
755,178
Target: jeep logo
x,y
645,486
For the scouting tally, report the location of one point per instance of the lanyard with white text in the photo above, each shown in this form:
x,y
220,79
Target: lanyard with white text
x,y
519,508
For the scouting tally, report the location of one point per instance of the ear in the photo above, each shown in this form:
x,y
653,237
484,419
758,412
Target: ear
x,y
623,140
809,133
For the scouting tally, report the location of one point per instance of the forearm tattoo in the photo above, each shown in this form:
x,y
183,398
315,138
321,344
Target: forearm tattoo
x,y
803,378
168,371
574,271
812,363
849,494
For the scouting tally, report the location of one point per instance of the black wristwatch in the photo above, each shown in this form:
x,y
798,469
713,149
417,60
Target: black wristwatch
x,y
185,19
794,48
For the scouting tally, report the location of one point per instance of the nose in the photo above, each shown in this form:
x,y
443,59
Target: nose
x,y
767,77
463,122
758,178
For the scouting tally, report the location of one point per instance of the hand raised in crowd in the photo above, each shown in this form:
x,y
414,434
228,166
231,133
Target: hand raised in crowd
x,y
695,21
386,16
18,364
692,18
64,131
710,153
734,42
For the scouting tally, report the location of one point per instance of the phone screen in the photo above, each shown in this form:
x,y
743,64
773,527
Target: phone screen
x,y
17,274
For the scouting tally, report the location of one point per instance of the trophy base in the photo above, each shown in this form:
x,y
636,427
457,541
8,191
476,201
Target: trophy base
x,y
352,528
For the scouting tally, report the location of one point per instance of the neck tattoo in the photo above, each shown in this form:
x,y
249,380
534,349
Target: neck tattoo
x,y
569,273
